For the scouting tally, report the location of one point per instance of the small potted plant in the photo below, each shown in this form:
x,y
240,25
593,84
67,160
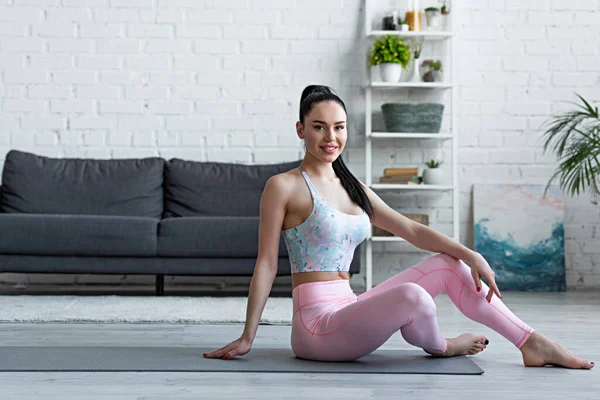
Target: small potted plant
x,y
445,10
433,18
415,48
434,74
392,55
404,26
433,174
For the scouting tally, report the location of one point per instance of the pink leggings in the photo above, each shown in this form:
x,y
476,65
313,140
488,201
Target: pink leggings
x,y
331,323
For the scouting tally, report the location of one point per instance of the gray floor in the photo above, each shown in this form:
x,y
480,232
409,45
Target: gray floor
x,y
572,319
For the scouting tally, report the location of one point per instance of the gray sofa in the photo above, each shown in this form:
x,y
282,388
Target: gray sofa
x,y
133,216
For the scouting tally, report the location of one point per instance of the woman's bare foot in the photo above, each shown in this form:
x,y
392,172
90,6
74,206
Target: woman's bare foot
x,y
538,351
465,344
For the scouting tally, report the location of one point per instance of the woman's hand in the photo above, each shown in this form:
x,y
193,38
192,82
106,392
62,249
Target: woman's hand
x,y
481,269
238,347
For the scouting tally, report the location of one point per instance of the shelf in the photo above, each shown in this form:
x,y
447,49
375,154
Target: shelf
x,y
410,187
400,135
442,43
387,239
427,35
423,85
391,239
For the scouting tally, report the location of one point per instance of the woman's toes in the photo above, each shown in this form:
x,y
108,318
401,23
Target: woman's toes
x,y
475,349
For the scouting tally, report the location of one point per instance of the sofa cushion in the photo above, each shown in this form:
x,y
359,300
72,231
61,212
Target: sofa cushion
x,y
211,237
41,185
77,235
194,188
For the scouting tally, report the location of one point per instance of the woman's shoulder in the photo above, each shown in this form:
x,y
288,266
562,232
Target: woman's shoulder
x,y
283,184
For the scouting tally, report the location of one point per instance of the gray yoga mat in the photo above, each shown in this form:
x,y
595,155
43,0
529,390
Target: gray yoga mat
x,y
190,359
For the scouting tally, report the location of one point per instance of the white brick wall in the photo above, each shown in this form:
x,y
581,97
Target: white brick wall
x,y
535,56
220,81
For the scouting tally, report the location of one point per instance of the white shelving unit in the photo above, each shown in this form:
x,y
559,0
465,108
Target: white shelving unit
x,y
447,37
409,85
427,35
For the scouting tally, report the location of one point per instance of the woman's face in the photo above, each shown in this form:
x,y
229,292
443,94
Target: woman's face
x,y
324,131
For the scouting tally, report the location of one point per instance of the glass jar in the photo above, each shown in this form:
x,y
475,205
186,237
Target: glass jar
x,y
413,18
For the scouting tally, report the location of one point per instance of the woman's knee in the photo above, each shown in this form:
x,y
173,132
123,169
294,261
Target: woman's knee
x,y
460,270
414,296
452,262
448,259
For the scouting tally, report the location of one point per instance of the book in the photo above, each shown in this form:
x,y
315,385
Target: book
x,y
396,179
400,171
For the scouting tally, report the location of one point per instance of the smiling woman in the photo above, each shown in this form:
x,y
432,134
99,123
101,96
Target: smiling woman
x,y
324,212
322,125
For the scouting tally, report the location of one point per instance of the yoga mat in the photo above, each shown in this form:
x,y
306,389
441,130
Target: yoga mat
x,y
190,359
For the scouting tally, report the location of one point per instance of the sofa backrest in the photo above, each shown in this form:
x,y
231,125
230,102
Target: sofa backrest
x,y
43,185
194,188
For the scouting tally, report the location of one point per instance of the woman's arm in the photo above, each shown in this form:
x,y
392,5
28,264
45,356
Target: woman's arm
x,y
417,234
260,287
273,205
431,240
425,238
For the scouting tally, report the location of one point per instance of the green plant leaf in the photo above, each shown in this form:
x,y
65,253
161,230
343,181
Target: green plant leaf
x,y
574,137
389,49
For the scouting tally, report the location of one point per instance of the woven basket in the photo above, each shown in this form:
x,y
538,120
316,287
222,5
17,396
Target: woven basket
x,y
408,118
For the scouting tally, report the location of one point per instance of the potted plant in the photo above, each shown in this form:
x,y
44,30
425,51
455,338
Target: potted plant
x,y
392,55
416,46
432,14
574,137
433,174
404,26
445,10
434,73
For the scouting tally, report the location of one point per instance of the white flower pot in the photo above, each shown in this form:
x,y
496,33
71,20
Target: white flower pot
x,y
390,72
438,76
434,20
446,23
434,176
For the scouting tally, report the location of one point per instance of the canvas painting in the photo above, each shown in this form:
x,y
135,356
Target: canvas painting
x,y
520,232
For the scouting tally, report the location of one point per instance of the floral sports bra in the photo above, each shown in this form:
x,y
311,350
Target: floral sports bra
x,y
327,239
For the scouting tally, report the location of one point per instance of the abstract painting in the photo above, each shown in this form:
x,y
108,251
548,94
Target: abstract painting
x,y
520,232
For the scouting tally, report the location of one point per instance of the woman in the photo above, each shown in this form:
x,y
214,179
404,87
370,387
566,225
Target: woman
x,y
324,212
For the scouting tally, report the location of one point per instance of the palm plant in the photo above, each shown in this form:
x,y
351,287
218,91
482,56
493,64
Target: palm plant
x,y
574,137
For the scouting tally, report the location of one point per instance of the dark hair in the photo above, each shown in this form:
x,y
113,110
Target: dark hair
x,y
312,95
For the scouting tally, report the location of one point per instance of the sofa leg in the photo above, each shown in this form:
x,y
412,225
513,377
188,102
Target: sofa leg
x,y
160,285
